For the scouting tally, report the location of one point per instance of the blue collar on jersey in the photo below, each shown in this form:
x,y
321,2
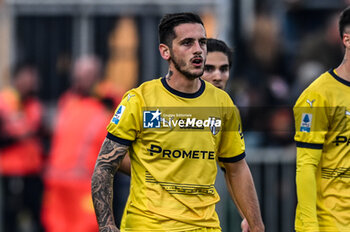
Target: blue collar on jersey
x,y
345,82
185,95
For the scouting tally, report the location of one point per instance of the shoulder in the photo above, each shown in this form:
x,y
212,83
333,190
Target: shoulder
x,y
137,95
316,92
148,85
220,95
320,81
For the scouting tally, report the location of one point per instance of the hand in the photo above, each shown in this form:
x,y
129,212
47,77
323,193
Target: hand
x,y
245,225
258,228
109,229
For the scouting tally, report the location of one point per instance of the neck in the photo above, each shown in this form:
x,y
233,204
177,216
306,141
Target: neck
x,y
182,84
343,69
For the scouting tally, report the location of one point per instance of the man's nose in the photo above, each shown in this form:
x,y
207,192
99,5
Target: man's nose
x,y
217,75
198,48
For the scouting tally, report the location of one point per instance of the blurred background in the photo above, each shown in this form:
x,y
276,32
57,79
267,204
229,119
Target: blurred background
x,y
65,64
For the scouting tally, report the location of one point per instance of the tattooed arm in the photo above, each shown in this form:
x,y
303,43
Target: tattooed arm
x,y
108,162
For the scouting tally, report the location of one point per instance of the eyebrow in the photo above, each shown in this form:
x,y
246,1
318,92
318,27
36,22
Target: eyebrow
x,y
188,39
192,39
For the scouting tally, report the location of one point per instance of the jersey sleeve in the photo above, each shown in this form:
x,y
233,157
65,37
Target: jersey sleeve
x,y
232,147
311,124
125,125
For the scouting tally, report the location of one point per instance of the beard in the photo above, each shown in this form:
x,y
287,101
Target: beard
x,y
178,66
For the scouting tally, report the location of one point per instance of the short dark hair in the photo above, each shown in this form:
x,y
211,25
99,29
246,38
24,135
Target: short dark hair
x,y
166,26
216,45
344,21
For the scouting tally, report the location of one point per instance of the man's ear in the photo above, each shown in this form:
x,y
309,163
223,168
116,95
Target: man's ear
x,y
164,51
346,40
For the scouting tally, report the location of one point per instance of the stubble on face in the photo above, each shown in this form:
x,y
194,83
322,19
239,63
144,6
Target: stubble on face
x,y
180,66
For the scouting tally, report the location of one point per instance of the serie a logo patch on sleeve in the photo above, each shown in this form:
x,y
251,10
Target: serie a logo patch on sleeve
x,y
306,121
118,114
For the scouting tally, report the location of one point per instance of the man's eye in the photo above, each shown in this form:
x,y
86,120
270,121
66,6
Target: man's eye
x,y
208,68
187,42
203,42
224,69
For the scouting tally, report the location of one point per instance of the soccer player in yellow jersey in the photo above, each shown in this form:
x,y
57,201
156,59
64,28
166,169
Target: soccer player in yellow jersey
x,y
174,128
322,117
217,72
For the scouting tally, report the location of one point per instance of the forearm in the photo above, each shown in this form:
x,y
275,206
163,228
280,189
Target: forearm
x,y
108,162
102,195
244,192
244,223
229,189
307,161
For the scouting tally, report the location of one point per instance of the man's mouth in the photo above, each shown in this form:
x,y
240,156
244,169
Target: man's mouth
x,y
197,61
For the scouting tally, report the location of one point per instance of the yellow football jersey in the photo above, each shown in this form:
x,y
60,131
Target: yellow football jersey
x,y
175,138
322,119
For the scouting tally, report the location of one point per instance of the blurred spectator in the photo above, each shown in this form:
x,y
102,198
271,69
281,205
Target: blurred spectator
x,y
78,133
265,64
21,151
319,51
263,73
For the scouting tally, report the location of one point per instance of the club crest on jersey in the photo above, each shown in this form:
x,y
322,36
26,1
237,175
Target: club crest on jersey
x,y
151,118
116,118
214,128
306,120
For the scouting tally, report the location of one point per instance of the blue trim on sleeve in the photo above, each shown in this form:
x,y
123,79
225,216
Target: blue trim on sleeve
x,y
310,145
119,140
232,159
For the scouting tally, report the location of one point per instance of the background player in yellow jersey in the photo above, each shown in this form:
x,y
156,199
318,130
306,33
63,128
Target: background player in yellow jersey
x,y
173,165
217,72
322,117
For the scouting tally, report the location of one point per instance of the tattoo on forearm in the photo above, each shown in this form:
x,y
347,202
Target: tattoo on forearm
x,y
168,76
108,162
108,229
